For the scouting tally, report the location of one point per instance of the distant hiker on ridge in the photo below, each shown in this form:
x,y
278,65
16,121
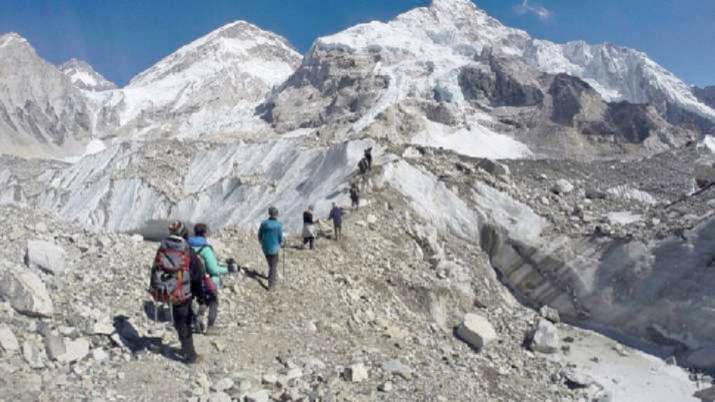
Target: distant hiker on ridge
x,y
270,235
355,195
336,215
309,227
368,158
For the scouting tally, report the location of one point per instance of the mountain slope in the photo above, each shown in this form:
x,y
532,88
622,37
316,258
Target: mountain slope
x,y
85,77
705,95
386,78
41,113
208,86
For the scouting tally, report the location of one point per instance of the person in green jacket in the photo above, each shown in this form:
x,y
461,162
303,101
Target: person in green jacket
x,y
201,246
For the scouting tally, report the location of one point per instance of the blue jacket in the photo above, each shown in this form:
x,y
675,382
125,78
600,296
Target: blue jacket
x,y
270,234
207,253
336,214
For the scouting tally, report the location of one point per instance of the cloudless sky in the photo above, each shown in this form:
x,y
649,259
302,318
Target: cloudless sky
x,y
121,38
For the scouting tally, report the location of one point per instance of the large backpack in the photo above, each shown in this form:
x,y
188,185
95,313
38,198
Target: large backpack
x,y
202,285
170,275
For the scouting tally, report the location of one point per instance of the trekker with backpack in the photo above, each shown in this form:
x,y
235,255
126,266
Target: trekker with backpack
x,y
270,235
336,215
171,283
209,272
355,195
309,227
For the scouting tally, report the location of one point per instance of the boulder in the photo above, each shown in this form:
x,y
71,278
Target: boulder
x,y
75,350
258,396
396,367
32,355
223,385
219,397
706,395
562,187
357,373
493,168
545,338
8,341
26,293
55,346
45,256
476,331
550,314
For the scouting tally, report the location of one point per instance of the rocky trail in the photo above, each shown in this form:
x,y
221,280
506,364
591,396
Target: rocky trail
x,y
380,315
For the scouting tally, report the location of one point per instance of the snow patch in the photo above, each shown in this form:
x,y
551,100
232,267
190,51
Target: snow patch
x,y
628,193
93,147
623,217
432,200
637,376
477,141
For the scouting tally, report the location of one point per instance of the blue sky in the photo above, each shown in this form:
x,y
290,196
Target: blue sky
x,y
120,38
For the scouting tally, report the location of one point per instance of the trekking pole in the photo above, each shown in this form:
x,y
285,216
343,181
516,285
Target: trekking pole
x,y
284,265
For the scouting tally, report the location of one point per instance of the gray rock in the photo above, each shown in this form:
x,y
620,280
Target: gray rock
x,y
493,168
385,387
545,338
32,355
550,314
223,385
219,397
100,355
26,293
45,256
54,346
76,350
562,187
706,395
476,331
357,373
8,341
398,368
258,396
576,380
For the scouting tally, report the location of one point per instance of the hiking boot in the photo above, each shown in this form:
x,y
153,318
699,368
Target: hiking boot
x,y
211,331
198,359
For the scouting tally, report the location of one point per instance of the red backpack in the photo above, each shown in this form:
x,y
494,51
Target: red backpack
x,y
170,275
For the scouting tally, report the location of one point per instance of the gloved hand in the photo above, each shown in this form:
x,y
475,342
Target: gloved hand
x,y
232,266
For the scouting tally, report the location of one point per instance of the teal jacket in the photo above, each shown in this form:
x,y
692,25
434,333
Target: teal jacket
x,y
270,235
207,253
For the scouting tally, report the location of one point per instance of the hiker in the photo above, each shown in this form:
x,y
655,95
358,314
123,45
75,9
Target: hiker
x,y
171,283
309,227
355,195
336,215
210,272
270,235
368,158
363,166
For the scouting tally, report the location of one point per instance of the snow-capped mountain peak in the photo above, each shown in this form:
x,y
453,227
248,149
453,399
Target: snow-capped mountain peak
x,y
211,85
238,40
12,38
85,77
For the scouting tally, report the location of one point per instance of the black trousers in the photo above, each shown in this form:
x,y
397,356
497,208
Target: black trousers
x,y
272,269
183,316
310,241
